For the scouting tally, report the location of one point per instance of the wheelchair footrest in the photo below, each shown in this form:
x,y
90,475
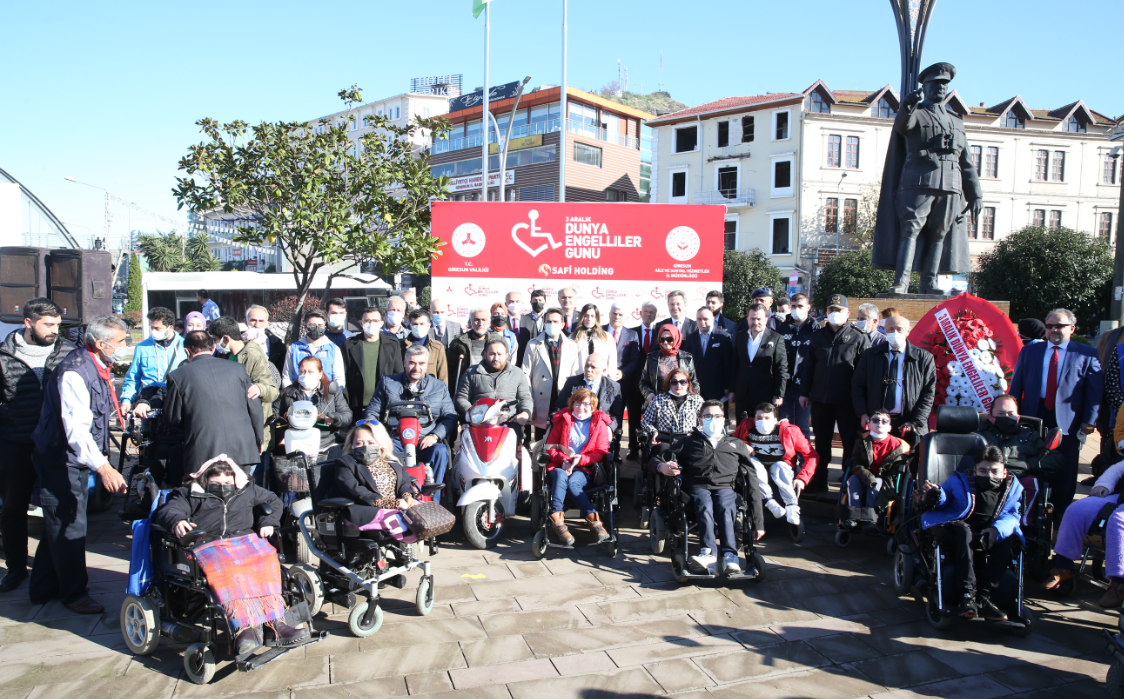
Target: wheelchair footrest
x,y
255,661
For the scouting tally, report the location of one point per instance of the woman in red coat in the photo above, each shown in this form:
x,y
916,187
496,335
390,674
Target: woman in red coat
x,y
578,440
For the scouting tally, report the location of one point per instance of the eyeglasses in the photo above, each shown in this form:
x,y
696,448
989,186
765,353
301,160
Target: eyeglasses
x,y
878,421
1058,326
369,423
668,340
678,382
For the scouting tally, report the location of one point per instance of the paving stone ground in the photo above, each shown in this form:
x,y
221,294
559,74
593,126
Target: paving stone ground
x,y
826,624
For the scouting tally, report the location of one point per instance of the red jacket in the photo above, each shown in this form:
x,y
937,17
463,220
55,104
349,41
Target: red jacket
x,y
793,441
596,447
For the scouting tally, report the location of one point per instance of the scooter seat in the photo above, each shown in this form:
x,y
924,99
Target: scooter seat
x,y
335,503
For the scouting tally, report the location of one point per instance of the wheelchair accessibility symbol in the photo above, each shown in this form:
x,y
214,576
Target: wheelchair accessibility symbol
x,y
534,232
407,433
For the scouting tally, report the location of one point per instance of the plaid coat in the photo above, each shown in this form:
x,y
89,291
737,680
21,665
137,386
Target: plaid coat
x,y
661,414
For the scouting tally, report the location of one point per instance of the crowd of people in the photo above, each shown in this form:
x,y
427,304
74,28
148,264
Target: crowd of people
x,y
787,379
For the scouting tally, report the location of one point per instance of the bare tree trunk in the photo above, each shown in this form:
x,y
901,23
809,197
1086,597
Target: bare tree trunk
x,y
303,278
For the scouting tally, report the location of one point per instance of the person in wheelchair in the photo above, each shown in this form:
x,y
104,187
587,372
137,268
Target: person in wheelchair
x,y
981,512
578,440
312,385
369,474
676,409
708,462
876,454
242,569
1023,447
1076,522
774,447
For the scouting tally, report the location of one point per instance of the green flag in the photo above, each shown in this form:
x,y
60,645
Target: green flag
x,y
478,7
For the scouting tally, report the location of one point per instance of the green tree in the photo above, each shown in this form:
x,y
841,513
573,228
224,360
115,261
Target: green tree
x,y
742,272
1039,269
851,274
425,296
134,290
312,191
171,252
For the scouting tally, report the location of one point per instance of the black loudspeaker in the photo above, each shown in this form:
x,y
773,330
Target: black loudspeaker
x,y
23,276
81,282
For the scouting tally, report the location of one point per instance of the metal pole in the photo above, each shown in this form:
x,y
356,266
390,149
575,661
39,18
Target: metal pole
x,y
501,147
1116,311
486,113
565,116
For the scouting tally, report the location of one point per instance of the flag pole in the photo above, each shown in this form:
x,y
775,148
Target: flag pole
x,y
484,114
565,116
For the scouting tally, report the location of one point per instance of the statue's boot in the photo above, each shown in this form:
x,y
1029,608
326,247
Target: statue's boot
x,y
930,263
905,265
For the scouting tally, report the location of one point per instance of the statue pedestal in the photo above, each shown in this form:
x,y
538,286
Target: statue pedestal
x,y
913,297
913,306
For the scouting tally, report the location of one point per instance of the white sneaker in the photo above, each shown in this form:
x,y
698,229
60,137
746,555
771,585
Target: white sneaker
x,y
730,563
705,560
775,508
792,513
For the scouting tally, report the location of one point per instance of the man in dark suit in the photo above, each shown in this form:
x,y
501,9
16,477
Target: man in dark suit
x,y
215,404
628,347
760,363
897,377
716,302
677,307
1061,382
713,351
646,342
568,302
608,392
530,324
444,329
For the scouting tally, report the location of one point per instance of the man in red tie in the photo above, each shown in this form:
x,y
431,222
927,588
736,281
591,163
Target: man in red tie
x,y
1061,382
568,301
630,385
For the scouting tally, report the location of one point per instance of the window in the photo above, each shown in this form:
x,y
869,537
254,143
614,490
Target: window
x,y
1055,218
546,112
728,181
853,152
991,165
1014,121
782,178
1104,226
1038,218
472,128
747,129
988,222
850,215
1074,125
1109,176
587,154
973,227
831,215
781,225
686,139
538,192
1041,165
678,184
397,112
834,148
1057,172
780,123
816,103
883,109
723,134
583,116
977,157
615,195
731,234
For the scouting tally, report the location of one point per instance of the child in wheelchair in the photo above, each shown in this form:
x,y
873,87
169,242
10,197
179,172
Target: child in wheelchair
x,y
865,494
774,446
241,567
976,515
709,462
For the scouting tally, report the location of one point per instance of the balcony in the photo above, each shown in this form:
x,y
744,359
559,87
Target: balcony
x,y
535,129
730,197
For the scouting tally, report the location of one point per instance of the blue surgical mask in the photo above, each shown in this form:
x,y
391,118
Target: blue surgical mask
x,y
713,426
437,318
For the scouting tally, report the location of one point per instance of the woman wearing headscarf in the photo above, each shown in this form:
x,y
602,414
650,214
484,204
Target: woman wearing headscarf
x,y
658,365
194,321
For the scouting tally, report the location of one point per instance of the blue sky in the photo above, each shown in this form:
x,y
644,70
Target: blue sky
x,y
108,93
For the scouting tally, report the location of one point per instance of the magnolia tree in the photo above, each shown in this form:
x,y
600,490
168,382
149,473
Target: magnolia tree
x,y
309,189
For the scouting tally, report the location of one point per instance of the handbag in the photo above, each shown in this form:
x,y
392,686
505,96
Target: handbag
x,y
292,474
428,519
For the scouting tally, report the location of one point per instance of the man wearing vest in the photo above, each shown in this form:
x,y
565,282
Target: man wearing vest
x,y
72,439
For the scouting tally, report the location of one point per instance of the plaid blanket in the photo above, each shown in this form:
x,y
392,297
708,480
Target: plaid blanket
x,y
245,576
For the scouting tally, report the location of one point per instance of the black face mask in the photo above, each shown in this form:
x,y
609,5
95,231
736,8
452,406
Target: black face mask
x,y
986,483
314,332
225,491
537,306
499,321
1007,424
368,454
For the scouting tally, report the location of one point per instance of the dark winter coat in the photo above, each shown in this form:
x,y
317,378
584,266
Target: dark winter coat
x,y
219,518
21,392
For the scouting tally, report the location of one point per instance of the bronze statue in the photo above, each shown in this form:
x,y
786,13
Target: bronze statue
x,y
927,179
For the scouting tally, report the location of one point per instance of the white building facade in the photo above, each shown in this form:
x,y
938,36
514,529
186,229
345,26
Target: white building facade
x,y
799,171
400,110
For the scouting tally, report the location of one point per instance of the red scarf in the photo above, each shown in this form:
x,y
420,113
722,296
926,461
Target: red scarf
x,y
676,336
107,375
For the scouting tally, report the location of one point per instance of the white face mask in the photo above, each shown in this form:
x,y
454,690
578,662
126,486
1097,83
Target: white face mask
x,y
158,335
862,325
553,330
393,318
837,318
896,339
781,315
222,348
372,328
337,320
309,381
118,354
713,426
513,309
420,331
878,432
798,314
765,426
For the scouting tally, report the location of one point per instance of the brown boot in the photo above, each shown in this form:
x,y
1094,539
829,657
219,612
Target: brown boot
x,y
1113,596
594,521
1057,577
561,532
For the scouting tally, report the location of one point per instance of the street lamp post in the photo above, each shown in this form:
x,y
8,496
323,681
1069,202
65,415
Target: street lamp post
x,y
106,191
1116,310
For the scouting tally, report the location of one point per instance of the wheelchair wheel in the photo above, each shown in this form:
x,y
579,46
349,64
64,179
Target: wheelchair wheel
x,y
903,573
679,568
759,562
796,531
424,599
199,663
1115,680
355,621
536,511
311,586
842,538
140,624
936,616
611,549
538,544
657,533
637,492
1028,621
891,546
